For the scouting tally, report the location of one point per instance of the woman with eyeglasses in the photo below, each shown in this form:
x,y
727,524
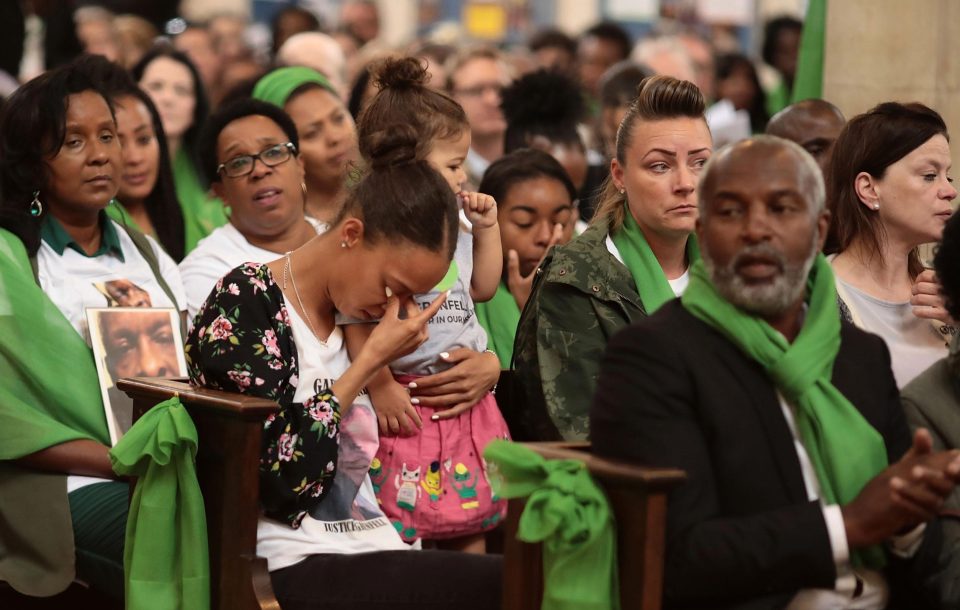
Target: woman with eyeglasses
x,y
250,150
328,135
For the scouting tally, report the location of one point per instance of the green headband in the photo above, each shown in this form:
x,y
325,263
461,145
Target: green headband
x,y
277,86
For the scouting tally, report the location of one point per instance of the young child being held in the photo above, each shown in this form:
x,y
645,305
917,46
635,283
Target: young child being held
x,y
431,480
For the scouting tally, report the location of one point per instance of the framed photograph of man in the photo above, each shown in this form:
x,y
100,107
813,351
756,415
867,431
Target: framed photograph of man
x,y
133,342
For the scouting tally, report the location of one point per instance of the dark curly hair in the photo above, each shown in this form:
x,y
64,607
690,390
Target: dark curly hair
x,y
32,129
543,103
946,262
519,166
207,143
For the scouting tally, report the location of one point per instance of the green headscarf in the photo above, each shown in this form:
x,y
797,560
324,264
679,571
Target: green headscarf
x,y
846,451
652,284
569,513
500,317
277,86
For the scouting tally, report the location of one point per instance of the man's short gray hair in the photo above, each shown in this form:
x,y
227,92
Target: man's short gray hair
x,y
811,176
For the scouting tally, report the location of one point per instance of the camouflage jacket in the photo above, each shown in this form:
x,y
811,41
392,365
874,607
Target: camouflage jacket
x,y
582,296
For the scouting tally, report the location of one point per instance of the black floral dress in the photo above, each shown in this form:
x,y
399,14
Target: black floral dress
x,y
242,342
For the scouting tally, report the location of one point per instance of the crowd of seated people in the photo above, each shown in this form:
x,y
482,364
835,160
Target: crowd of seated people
x,y
368,236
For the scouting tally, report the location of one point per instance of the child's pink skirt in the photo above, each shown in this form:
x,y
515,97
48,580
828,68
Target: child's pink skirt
x,y
434,485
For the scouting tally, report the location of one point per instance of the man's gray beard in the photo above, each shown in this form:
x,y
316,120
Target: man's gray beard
x,y
764,300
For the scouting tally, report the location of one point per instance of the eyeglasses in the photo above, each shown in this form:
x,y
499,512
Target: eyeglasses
x,y
238,167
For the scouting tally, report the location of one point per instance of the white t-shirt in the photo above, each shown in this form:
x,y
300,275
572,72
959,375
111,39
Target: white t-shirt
x,y
218,253
677,285
913,342
349,519
74,282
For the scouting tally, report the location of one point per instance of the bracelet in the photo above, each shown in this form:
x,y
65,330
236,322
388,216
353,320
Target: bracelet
x,y
493,390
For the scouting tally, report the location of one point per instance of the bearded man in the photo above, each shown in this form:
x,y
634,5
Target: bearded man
x,y
805,489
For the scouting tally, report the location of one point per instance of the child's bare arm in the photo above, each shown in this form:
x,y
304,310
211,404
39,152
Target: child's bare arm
x,y
481,210
390,400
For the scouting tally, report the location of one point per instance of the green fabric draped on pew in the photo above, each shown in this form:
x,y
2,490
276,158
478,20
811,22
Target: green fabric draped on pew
x,y
165,560
570,515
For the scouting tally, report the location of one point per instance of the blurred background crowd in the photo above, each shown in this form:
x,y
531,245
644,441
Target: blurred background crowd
x,y
742,54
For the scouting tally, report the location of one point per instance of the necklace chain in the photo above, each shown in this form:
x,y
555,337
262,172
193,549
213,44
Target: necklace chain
x,y
288,268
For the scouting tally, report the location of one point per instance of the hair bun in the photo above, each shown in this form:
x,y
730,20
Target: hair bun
x,y
392,147
399,73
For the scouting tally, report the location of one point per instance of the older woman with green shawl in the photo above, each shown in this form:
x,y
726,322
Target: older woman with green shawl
x,y
634,257
63,501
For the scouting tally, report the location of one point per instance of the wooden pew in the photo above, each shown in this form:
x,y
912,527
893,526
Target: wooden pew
x,y
228,456
229,429
638,498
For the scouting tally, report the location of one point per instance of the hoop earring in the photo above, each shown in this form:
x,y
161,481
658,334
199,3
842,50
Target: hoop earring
x,y
36,206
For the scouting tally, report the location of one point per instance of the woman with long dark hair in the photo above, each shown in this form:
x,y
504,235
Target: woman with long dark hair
x,y
60,165
174,85
147,197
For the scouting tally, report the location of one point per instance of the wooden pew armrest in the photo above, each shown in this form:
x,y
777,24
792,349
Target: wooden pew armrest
x,y
155,389
229,428
638,499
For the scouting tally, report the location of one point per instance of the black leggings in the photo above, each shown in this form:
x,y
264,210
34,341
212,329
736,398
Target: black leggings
x,y
398,580
99,514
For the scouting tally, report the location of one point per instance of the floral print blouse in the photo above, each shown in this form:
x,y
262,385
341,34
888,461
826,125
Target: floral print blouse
x,y
242,342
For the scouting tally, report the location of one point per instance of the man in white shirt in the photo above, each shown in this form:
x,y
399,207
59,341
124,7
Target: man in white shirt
x,y
771,516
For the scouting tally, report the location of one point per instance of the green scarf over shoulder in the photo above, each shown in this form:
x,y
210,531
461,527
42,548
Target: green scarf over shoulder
x,y
652,284
202,213
49,395
499,317
846,451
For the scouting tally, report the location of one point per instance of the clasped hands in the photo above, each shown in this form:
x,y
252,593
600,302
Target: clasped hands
x,y
904,495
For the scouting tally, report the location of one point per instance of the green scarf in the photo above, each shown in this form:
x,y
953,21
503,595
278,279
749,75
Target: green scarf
x,y
845,450
500,317
120,215
652,284
49,395
165,561
571,516
201,212
277,86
